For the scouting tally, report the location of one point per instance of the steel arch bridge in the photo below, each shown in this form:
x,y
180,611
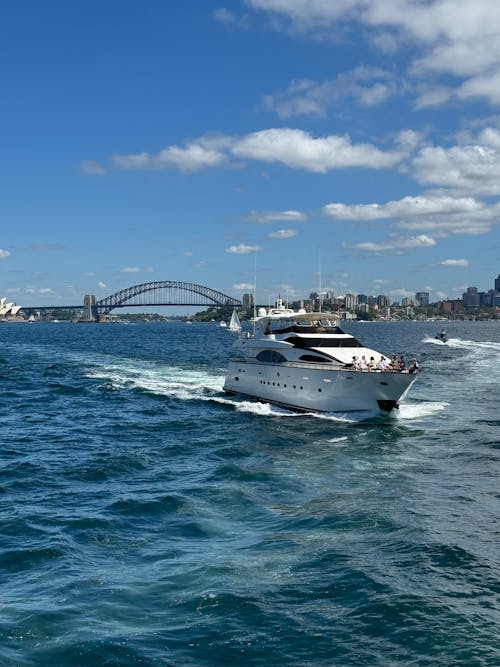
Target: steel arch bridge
x,y
165,293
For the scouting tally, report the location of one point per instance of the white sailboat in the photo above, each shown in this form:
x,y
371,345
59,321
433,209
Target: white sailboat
x,y
235,324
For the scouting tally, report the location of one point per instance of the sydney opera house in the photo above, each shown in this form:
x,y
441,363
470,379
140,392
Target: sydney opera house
x,y
9,311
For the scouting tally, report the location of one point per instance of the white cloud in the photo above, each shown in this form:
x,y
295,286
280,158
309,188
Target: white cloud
x,y
4,254
452,38
287,146
401,243
243,287
406,207
470,168
367,85
455,262
274,216
432,96
437,213
401,292
282,234
306,15
224,16
242,249
91,167
229,19
299,150
136,269
199,154
187,254
101,285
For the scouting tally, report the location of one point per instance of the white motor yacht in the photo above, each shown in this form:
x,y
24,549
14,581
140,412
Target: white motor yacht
x,y
304,361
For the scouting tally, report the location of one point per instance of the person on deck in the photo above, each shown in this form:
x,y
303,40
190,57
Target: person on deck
x,y
413,367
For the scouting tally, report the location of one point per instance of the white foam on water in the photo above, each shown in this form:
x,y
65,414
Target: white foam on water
x,y
166,381
270,410
464,344
345,417
410,411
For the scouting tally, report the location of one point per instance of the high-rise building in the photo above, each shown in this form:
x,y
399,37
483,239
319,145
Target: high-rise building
x,y
497,283
383,301
351,302
471,298
422,299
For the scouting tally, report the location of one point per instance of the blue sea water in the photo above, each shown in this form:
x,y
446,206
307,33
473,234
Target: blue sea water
x,y
147,519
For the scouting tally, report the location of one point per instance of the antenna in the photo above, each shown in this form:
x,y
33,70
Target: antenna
x,y
254,292
320,292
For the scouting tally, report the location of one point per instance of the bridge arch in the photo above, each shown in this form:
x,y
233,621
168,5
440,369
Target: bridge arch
x,y
165,293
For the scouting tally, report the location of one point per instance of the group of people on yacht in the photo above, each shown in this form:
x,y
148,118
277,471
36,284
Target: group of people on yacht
x,y
384,364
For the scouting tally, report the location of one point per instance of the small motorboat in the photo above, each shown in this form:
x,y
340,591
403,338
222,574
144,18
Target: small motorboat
x,y
441,335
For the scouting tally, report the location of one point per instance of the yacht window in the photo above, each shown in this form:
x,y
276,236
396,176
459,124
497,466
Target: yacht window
x,y
299,341
271,356
314,358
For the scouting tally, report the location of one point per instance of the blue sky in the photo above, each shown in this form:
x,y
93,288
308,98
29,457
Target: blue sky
x,y
204,141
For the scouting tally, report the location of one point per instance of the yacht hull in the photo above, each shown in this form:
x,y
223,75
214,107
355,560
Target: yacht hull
x,y
324,389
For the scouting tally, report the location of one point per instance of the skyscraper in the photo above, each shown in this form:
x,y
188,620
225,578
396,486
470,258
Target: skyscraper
x,y
471,298
422,299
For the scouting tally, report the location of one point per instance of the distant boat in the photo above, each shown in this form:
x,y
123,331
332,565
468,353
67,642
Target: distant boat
x,y
222,324
31,318
441,335
235,324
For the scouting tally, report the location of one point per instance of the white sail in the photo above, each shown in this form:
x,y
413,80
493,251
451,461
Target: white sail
x,y
5,308
234,324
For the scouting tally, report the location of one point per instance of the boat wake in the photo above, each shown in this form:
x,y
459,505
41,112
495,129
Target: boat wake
x,y
170,381
464,344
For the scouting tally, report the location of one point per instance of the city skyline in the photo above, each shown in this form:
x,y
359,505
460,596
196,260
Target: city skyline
x,y
353,144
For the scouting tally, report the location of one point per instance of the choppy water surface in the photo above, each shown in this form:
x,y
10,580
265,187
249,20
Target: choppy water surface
x,y
147,519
